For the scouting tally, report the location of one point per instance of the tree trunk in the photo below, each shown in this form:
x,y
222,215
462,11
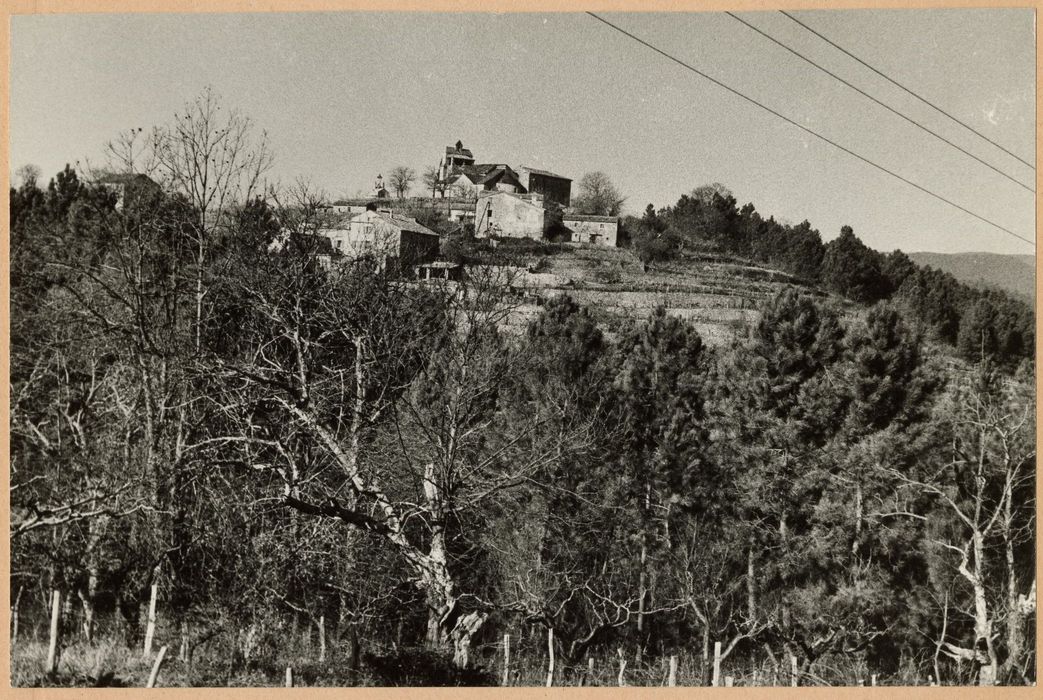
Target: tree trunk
x,y
982,621
857,542
783,538
751,585
1015,618
642,584
706,653
199,289
462,634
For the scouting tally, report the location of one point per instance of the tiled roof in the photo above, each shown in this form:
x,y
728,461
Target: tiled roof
x,y
126,179
359,201
452,151
545,173
532,200
589,217
406,224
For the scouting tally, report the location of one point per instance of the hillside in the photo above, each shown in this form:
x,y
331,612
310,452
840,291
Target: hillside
x,y
720,295
1011,273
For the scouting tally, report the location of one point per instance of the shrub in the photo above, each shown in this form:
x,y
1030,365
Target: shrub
x,y
423,667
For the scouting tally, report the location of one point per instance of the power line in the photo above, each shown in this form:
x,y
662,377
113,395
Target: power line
x,y
882,104
911,92
806,129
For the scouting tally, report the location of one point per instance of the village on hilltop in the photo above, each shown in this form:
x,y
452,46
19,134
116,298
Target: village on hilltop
x,y
498,201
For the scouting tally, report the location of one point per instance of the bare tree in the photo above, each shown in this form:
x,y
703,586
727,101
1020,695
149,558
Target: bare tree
x,y
985,492
401,179
433,182
133,151
27,175
216,160
598,196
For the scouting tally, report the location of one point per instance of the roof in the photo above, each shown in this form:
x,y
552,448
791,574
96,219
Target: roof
x,y
360,201
545,173
126,179
453,151
532,201
405,223
440,265
589,217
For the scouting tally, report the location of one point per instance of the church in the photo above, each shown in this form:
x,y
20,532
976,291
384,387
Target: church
x,y
461,176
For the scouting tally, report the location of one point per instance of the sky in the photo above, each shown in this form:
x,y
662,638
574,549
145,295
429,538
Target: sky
x,y
346,96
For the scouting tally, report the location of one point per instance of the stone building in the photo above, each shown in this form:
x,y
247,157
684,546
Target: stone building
x,y
602,230
472,180
456,157
554,188
127,185
510,215
385,236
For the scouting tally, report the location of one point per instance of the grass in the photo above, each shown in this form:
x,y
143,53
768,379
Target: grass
x,y
109,662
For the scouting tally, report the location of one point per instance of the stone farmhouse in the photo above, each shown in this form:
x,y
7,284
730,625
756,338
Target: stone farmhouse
x,y
583,228
511,215
125,185
384,235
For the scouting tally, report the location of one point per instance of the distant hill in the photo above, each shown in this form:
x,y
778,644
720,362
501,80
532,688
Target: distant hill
x,y
1011,273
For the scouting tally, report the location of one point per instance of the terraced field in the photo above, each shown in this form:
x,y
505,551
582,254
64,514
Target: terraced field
x,y
719,295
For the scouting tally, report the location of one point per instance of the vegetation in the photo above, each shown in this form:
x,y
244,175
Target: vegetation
x,y
596,195
994,323
368,480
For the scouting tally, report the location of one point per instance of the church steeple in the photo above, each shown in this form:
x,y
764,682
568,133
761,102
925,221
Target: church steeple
x,y
379,192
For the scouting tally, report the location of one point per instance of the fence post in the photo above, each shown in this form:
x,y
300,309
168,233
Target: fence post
x,y
506,660
14,617
622,666
671,680
716,680
550,656
52,648
793,670
322,638
872,680
728,681
289,677
590,669
150,626
155,667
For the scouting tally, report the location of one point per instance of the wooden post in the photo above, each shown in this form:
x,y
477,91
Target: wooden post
x,y
793,670
861,683
14,617
930,680
728,681
150,627
872,680
622,667
289,677
590,669
716,680
184,652
671,680
155,667
550,656
52,648
506,660
322,638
